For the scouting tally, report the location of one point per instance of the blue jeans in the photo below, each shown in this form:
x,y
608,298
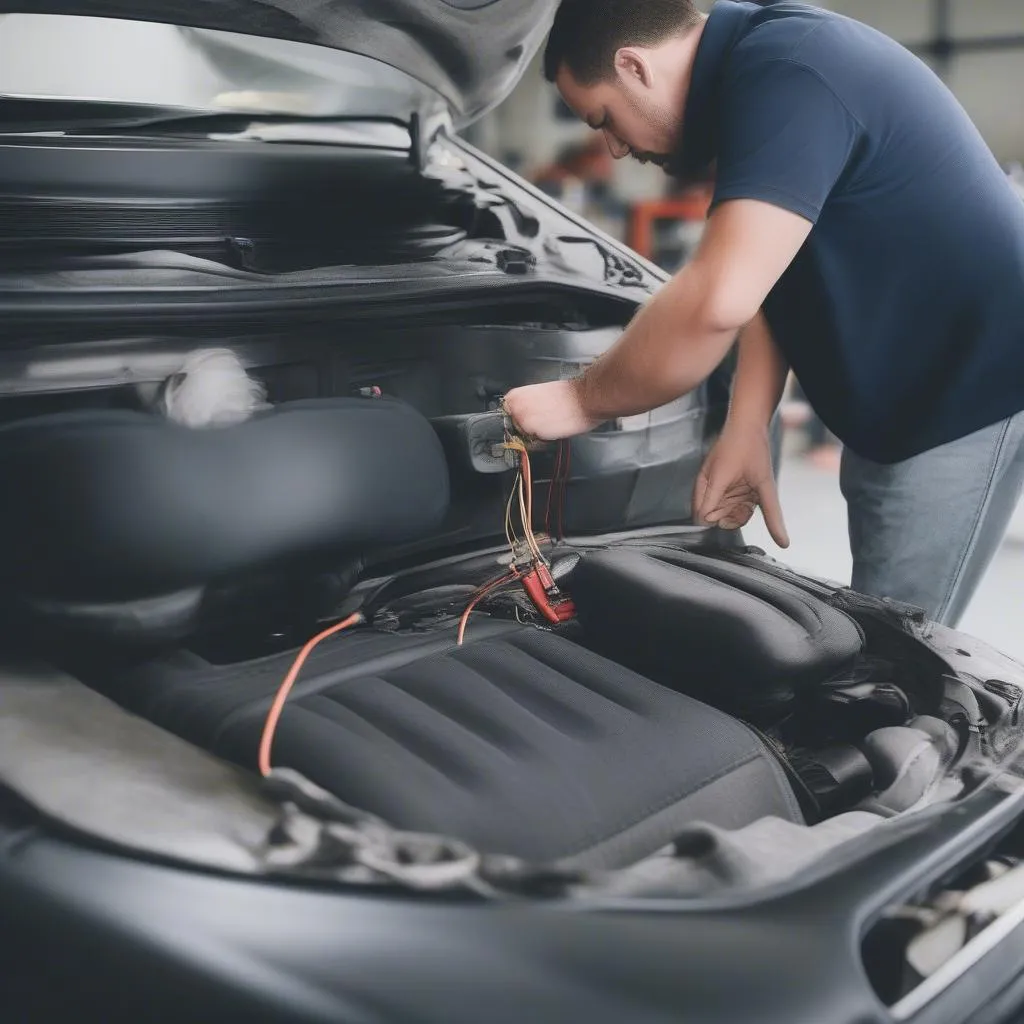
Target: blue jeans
x,y
924,531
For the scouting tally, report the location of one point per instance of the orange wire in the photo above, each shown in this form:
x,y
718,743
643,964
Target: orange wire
x,y
524,484
528,483
274,715
526,475
480,595
531,540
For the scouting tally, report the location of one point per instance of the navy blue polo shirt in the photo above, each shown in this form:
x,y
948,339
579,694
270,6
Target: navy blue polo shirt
x,y
903,314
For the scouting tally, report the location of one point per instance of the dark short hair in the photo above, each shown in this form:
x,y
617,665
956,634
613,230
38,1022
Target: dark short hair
x,y
587,34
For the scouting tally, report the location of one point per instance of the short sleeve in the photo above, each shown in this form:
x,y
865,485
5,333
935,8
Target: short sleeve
x,y
785,138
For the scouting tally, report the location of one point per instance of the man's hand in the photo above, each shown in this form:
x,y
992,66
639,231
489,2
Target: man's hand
x,y
549,412
736,478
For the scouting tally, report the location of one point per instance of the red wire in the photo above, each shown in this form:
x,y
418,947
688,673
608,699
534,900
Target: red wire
x,y
551,489
274,715
563,484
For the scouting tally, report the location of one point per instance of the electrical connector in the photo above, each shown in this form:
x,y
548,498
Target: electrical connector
x,y
548,600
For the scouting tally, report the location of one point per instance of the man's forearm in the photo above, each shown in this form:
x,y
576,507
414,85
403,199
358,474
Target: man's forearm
x,y
760,376
671,347
685,331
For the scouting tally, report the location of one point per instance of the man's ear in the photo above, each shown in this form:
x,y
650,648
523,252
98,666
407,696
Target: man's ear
x,y
632,66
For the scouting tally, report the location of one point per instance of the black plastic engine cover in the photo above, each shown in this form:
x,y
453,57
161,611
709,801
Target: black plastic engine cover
x,y
734,638
122,506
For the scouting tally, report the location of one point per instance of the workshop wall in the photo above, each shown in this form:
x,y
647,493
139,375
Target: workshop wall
x,y
989,82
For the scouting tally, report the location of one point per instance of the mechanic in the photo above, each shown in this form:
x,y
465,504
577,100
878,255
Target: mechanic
x,y
861,233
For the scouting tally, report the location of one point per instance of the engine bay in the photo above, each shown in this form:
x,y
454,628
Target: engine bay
x,y
339,668
571,697
854,727
369,592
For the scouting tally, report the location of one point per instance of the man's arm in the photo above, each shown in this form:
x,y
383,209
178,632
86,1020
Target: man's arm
x,y
738,475
760,380
684,332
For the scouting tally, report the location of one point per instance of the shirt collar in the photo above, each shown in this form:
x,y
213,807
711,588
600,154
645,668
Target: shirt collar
x,y
722,31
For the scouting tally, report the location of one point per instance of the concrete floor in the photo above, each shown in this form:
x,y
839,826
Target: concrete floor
x,y
816,516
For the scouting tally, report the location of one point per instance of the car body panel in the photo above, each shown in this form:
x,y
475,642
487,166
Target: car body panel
x,y
161,943
470,53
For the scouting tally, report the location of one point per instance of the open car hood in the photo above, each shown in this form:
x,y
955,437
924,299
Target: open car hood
x,y
470,52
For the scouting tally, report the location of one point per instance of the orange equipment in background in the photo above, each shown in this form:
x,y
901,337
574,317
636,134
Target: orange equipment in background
x,y
690,206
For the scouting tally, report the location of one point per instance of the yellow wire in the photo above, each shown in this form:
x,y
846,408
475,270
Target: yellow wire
x,y
530,539
522,511
509,532
512,444
516,444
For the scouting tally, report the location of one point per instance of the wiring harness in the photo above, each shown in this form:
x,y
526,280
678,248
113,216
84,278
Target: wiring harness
x,y
528,568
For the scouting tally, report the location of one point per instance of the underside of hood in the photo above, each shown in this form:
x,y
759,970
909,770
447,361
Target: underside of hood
x,y
471,52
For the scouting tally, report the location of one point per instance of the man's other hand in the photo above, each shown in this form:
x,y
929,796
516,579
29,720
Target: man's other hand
x,y
736,478
549,412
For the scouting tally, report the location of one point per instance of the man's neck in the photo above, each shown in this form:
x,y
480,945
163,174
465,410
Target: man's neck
x,y
674,60
680,56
